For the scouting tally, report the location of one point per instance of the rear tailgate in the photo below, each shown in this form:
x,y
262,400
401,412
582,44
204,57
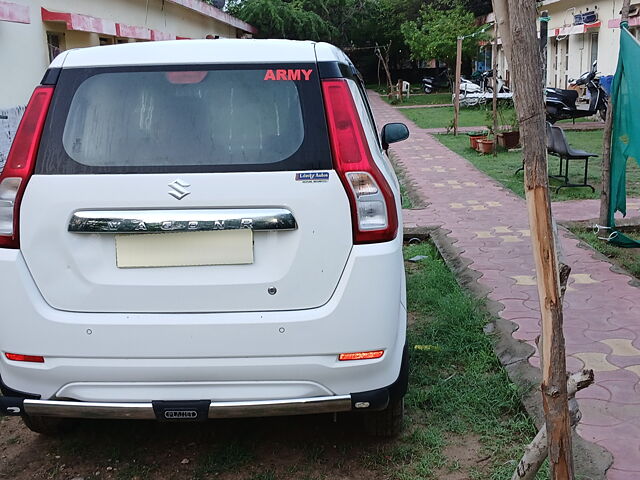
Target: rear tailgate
x,y
163,189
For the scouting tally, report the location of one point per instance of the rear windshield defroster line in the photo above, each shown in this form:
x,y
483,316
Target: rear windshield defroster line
x,y
191,118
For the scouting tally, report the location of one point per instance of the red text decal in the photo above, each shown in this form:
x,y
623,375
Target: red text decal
x,y
290,74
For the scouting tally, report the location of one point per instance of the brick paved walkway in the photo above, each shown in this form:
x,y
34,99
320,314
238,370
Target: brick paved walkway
x,y
602,310
581,210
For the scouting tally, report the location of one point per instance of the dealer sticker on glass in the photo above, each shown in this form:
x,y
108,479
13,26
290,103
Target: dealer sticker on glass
x,y
312,177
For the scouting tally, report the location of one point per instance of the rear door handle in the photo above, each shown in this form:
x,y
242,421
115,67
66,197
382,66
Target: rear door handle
x,y
154,221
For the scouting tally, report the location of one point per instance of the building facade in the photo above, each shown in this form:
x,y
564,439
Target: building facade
x,y
581,33
33,32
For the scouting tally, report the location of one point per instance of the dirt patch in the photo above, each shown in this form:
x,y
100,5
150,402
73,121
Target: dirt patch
x,y
465,454
301,448
311,447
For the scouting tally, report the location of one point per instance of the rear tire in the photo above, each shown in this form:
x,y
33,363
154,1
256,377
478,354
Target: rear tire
x,y
49,426
385,423
427,89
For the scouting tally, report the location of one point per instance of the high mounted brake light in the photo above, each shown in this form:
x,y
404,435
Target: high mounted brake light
x,y
20,164
373,209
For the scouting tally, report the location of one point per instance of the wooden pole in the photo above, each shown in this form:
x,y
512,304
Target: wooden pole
x,y
605,190
526,65
494,67
456,86
544,38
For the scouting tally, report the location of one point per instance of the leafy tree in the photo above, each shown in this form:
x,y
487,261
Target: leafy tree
x,y
434,33
282,19
353,24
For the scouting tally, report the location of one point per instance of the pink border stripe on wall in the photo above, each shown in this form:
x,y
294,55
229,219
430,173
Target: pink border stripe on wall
x,y
157,35
127,31
81,23
12,12
615,22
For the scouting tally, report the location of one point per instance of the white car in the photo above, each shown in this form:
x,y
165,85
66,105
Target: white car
x,y
201,229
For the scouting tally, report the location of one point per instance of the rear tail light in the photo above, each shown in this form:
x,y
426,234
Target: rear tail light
x,y
20,164
373,207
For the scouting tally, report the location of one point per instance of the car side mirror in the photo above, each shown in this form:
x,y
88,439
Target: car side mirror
x,y
394,132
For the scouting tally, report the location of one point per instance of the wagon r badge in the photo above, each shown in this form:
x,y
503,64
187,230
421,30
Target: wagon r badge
x,y
178,189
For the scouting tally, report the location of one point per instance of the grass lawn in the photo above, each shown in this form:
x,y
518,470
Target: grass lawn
x,y
464,419
458,389
503,166
627,258
422,99
442,117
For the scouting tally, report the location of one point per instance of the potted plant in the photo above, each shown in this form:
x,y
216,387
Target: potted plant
x,y
485,145
509,136
474,137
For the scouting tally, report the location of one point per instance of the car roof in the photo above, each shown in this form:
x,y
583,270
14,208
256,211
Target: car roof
x,y
180,52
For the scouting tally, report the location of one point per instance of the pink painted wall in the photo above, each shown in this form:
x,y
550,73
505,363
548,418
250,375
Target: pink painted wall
x,y
13,12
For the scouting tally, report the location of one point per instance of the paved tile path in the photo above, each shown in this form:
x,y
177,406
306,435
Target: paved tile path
x,y
581,210
602,310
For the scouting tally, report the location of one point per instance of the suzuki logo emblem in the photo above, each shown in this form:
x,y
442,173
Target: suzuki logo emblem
x,y
178,189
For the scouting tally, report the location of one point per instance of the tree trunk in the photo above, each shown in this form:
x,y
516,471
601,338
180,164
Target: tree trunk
x,y
605,191
525,62
536,451
456,86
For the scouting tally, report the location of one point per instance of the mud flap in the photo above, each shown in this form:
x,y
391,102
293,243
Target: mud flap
x,y
11,406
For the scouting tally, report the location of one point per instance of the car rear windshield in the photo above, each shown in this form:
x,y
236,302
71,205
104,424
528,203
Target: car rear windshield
x,y
186,119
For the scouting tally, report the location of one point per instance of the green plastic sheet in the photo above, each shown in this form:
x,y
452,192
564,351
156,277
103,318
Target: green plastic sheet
x,y
625,137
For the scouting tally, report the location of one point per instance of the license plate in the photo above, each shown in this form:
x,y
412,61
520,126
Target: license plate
x,y
184,249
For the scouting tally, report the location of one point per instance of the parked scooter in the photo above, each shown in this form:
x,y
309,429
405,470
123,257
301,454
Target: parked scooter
x,y
561,104
431,83
487,82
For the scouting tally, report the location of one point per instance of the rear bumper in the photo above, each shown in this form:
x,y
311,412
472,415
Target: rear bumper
x,y
146,411
199,410
236,356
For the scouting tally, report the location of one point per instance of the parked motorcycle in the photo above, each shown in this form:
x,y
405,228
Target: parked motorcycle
x,y
467,86
561,104
434,82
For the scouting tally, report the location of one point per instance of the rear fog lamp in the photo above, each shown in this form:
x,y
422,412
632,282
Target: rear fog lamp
x,y
361,355
17,357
